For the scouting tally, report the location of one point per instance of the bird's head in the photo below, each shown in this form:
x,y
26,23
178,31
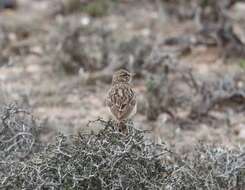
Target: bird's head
x,y
122,76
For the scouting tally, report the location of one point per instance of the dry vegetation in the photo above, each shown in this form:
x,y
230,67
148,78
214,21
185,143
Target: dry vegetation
x,y
109,160
56,63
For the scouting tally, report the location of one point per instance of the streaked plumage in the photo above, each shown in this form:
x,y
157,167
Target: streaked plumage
x,y
121,98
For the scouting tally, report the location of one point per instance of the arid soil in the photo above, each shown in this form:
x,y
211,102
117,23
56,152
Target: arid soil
x,y
59,62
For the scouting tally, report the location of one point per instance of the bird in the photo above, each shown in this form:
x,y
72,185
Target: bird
x,y
121,99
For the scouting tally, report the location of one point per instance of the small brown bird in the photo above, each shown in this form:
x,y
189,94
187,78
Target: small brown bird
x,y
121,98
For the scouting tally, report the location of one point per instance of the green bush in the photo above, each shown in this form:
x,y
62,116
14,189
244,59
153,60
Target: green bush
x,y
242,64
96,8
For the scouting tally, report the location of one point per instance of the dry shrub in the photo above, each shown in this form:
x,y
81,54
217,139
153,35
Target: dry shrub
x,y
210,167
112,160
108,160
18,133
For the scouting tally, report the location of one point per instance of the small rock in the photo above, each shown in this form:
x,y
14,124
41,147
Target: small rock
x,y
238,11
37,50
85,20
240,130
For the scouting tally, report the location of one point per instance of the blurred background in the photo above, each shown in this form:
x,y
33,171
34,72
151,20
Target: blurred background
x,y
57,58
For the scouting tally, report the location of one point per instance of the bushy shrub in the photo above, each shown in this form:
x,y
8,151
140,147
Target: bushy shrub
x,y
210,167
19,133
109,160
